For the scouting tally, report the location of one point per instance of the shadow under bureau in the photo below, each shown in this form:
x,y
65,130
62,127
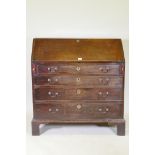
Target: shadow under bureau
x,y
78,81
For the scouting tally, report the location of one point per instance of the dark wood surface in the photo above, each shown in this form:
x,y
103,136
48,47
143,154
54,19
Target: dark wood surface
x,y
78,68
78,111
72,49
79,80
68,90
68,93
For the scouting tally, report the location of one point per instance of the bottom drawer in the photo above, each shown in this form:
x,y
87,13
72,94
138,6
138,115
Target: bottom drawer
x,y
78,111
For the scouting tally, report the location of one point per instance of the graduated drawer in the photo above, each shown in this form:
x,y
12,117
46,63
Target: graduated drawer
x,y
78,68
55,93
112,81
77,111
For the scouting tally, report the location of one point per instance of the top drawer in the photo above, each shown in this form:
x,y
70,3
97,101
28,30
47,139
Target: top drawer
x,y
78,68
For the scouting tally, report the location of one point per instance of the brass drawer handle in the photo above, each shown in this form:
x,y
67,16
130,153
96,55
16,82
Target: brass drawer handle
x,y
107,109
56,93
52,69
104,70
50,110
56,109
103,94
101,110
50,80
104,81
56,80
49,93
52,94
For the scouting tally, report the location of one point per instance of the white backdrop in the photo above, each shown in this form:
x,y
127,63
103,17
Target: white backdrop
x,y
76,19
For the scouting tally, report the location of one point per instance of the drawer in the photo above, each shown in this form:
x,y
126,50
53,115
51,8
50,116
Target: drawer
x,y
78,68
53,111
50,93
93,110
77,111
112,81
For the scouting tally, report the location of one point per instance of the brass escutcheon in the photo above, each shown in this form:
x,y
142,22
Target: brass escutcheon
x,y
78,106
78,68
78,79
78,91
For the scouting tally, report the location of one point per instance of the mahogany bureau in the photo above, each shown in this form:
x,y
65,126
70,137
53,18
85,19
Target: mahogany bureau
x,y
78,81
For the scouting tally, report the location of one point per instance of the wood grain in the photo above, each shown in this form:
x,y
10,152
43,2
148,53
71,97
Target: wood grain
x,y
47,49
78,81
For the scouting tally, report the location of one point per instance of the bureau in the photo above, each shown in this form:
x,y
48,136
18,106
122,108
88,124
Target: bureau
x,y
78,81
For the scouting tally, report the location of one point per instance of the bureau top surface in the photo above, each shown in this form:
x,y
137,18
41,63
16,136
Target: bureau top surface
x,y
77,50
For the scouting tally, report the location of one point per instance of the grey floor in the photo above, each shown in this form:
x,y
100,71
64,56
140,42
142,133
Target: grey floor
x,y
76,140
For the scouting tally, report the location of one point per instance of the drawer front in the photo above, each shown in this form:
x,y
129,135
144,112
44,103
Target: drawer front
x,y
77,111
47,93
94,110
112,81
78,68
53,111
